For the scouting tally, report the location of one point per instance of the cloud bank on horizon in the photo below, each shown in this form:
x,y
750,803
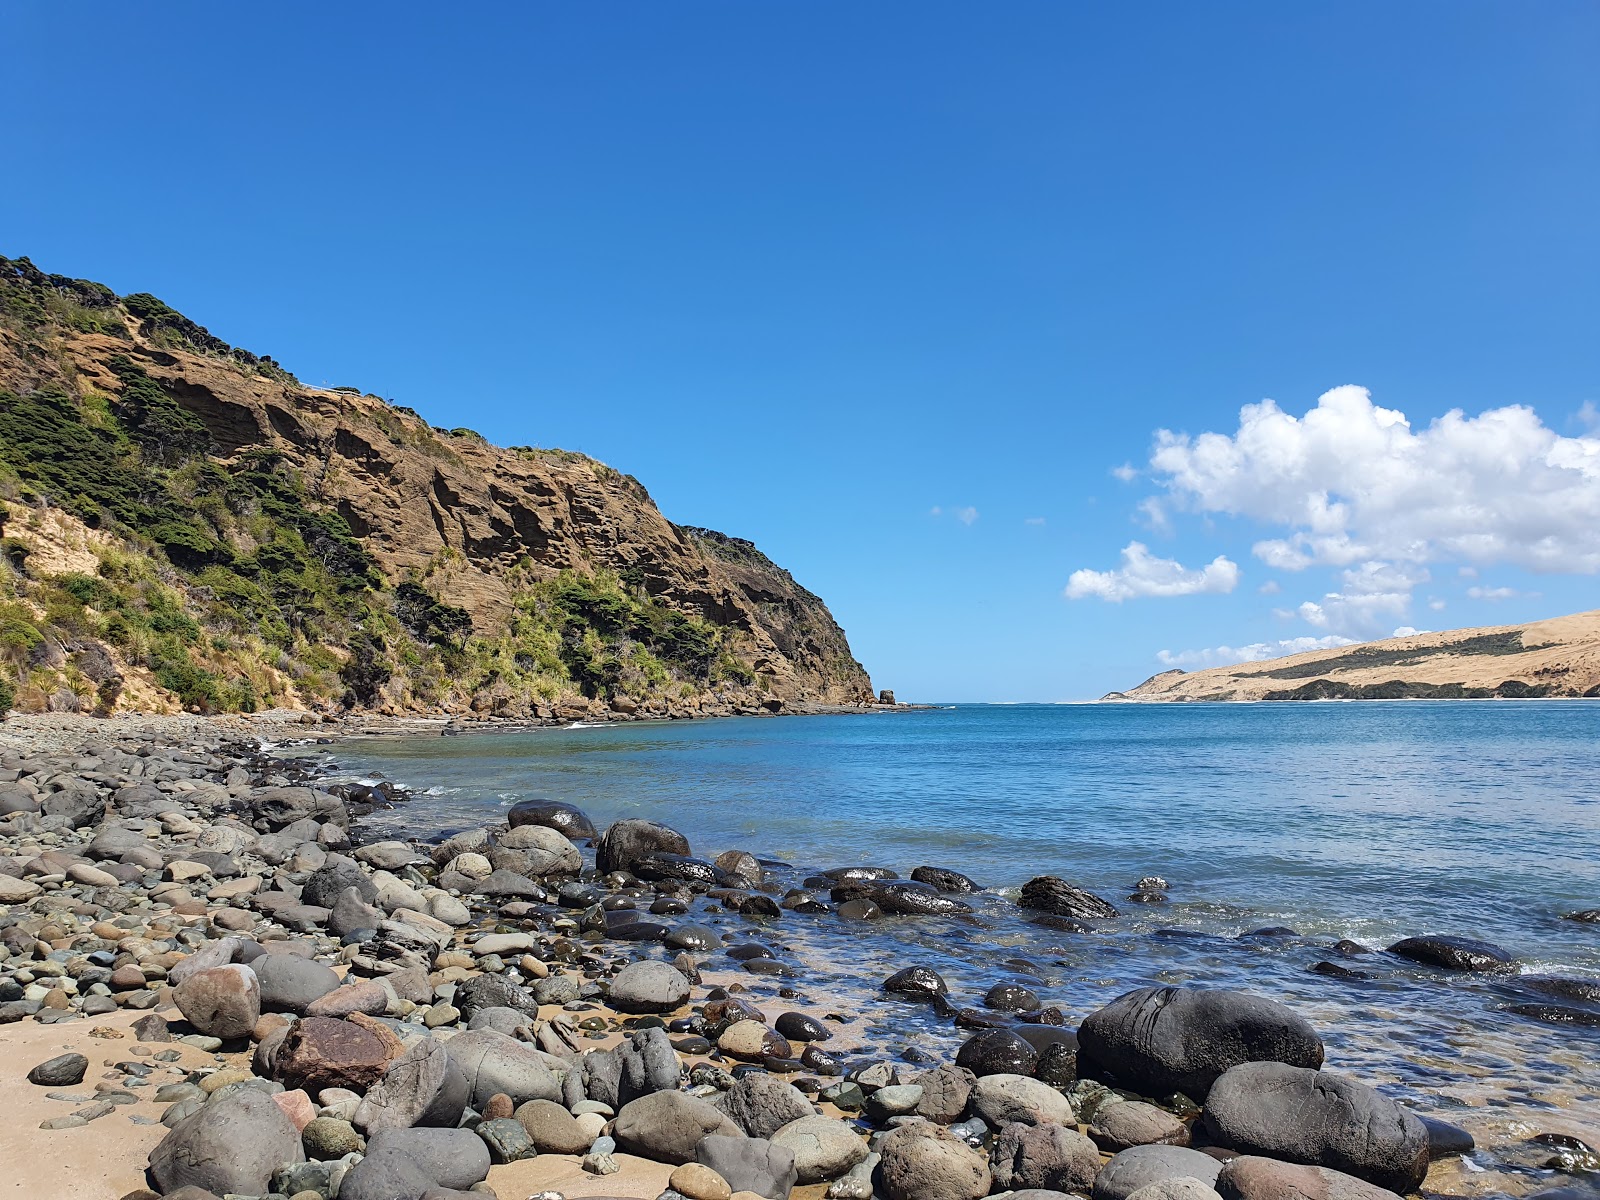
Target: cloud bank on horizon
x,y
1353,489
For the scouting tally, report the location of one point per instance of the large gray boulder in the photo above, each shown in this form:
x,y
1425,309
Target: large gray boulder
x,y
398,1160
1141,1166
290,984
924,1161
535,851
624,843
423,1087
1319,1119
761,1104
1250,1177
823,1148
749,1164
1003,1099
1047,1156
493,1062
1162,1040
649,987
668,1126
233,1144
324,885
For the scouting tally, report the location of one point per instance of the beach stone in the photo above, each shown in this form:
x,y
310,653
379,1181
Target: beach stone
x,y
749,1164
1051,894
918,983
64,1070
364,996
1456,954
927,1162
17,891
424,1086
1317,1118
740,867
761,1104
798,1027
327,1052
647,1063
752,1041
409,1162
1445,1139
1176,1189
507,1139
352,914
493,1062
625,842
91,876
1048,1156
223,1002
946,1091
696,1181
1003,1099
552,1129
492,991
231,1145
1163,1040
1250,1177
1130,1170
1134,1123
997,1052
329,1138
535,851
1012,998
823,1148
564,818
325,885
667,1126
907,898
944,880
649,987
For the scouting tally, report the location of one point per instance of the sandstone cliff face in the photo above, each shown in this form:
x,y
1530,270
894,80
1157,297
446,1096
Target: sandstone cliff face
x,y
472,518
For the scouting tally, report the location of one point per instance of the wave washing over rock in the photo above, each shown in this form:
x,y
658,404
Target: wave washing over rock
x,y
274,1006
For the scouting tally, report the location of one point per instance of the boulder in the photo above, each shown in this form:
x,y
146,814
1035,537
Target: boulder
x,y
924,1161
625,842
649,987
943,880
761,1104
326,1052
1162,1040
946,1091
1319,1119
552,1129
424,1086
1135,1123
410,1162
290,984
223,1002
823,1148
1004,1099
997,1052
1050,894
535,851
1456,954
1249,1177
552,814
1046,1156
493,1062
492,991
1176,1189
231,1145
749,1164
1141,1166
668,1126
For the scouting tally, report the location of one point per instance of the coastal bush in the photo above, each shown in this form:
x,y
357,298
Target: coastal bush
x,y
430,620
366,671
8,696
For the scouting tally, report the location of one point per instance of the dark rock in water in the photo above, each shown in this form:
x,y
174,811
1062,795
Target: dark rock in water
x,y
1445,1139
657,866
738,868
798,1027
1163,1040
1319,1119
625,842
997,1052
859,910
1589,916
1012,998
638,931
1058,1064
1335,971
908,899
1251,1177
944,880
1349,949
916,983
977,1018
1455,954
868,874
1585,991
820,1061
1062,924
758,906
1272,931
1051,894
1133,1169
63,1070
1556,1014
745,951
668,906
552,814
693,937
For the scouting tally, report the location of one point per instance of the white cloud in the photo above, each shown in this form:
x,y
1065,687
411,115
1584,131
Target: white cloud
x,y
1270,588
1407,631
1225,656
1143,574
1350,482
1127,472
1153,515
1496,593
1437,605
966,515
1589,415
1373,595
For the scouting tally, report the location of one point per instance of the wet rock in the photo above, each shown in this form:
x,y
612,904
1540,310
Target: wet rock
x,y
291,984
1565,987
916,983
797,1027
1131,1170
64,1070
1011,998
231,1145
553,814
1588,916
1319,1119
909,899
1445,1139
928,1162
649,987
625,842
658,866
1006,1099
223,1002
1050,894
751,1041
424,1086
943,880
739,869
1456,954
535,852
1252,1178
668,1126
1048,1156
1555,1014
761,1104
1134,1123
1163,1040
997,1052
823,1148
750,1164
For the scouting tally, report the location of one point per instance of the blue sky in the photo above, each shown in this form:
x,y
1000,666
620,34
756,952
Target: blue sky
x,y
815,271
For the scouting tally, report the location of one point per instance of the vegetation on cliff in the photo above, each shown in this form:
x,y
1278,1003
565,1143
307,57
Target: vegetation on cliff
x,y
164,543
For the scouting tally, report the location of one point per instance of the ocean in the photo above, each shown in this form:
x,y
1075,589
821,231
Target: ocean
x,y
1368,821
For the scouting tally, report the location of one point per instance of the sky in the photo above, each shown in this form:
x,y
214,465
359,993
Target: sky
x,y
1054,345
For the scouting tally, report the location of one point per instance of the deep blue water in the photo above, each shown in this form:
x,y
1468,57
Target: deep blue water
x,y
1371,821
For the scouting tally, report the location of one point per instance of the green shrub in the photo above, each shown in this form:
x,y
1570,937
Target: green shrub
x,y
8,696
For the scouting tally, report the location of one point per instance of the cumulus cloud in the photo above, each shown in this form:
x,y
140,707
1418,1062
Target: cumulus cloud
x,y
1497,593
1227,656
1270,588
1127,472
1351,482
1373,596
1143,574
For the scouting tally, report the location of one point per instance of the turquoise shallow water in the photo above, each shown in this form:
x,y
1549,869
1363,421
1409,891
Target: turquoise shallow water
x,y
1371,821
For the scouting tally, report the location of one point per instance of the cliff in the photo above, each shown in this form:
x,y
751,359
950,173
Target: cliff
x,y
1555,658
330,546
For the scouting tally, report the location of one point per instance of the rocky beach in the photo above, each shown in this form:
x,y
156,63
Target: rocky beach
x,y
215,984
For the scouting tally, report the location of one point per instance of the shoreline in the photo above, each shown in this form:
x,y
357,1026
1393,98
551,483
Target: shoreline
x,y
534,939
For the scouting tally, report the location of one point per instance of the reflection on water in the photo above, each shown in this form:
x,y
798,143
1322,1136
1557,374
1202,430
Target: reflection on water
x,y
1369,821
